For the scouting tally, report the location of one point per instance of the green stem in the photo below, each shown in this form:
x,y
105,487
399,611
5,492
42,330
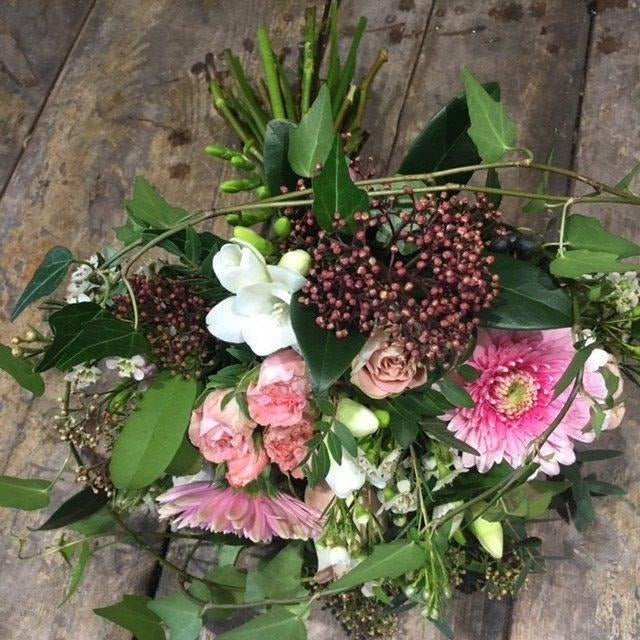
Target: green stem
x,y
271,74
134,302
220,103
289,101
563,222
308,59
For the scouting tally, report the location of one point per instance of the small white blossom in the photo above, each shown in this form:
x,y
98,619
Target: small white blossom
x,y
626,296
83,376
401,501
445,472
387,468
134,367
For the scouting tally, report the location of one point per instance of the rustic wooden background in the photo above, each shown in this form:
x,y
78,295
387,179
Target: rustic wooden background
x,y
95,92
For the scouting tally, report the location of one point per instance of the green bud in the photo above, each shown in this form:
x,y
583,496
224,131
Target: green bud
x,y
383,417
356,417
218,151
262,192
252,238
119,399
235,186
489,535
242,162
254,216
233,219
297,260
282,227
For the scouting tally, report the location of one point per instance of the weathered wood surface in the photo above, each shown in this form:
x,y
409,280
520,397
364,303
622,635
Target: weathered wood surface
x,y
125,103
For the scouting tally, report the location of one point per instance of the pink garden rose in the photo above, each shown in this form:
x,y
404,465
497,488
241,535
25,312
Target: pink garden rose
x,y
245,469
382,369
221,434
286,445
518,371
279,397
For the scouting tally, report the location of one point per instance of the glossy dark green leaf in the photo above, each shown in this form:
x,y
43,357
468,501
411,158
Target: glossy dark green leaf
x,y
148,207
444,143
346,438
28,494
101,338
152,435
492,130
80,506
78,570
100,522
348,71
181,615
48,276
455,394
528,299
326,356
277,622
132,614
334,191
310,142
21,371
335,447
602,488
277,168
575,264
594,455
582,232
389,560
493,182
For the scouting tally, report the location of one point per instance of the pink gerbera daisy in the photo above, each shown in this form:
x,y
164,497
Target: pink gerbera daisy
x,y
514,399
205,505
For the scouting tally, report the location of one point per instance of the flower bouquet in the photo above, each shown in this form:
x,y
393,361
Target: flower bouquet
x,y
375,385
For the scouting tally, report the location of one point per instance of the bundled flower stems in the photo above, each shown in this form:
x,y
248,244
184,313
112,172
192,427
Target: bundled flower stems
x,y
377,382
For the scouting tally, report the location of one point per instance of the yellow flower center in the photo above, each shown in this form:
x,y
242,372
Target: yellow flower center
x,y
515,393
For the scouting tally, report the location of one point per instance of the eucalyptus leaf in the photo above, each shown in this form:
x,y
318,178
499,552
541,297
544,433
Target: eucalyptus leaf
x,y
48,276
132,614
79,507
152,435
582,232
528,299
277,622
326,356
277,168
310,142
21,371
334,191
26,494
148,208
492,130
181,615
575,264
389,560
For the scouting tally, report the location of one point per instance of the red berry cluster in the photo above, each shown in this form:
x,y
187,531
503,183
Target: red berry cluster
x,y
172,316
430,298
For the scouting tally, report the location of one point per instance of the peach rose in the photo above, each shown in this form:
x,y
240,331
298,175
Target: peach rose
x,y
221,434
286,445
279,397
382,368
245,469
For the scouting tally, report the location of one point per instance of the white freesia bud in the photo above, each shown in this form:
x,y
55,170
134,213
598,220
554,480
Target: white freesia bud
x,y
357,418
298,260
489,535
346,477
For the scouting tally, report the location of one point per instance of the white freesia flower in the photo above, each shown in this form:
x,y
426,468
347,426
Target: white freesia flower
x,y
346,477
336,560
258,313
135,367
83,376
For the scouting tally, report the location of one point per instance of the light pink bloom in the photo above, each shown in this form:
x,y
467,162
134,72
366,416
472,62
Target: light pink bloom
x,y
382,369
514,399
279,397
245,469
221,434
204,505
286,445
319,497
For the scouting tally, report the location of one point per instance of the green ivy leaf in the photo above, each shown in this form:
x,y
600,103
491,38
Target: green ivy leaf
x,y
575,264
78,571
444,143
528,299
180,614
132,614
277,579
101,338
333,190
582,232
21,371
389,560
48,276
152,435
26,494
310,142
277,622
326,356
277,168
79,507
148,208
492,130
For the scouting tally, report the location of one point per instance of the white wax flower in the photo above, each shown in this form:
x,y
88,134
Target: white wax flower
x,y
134,367
259,312
83,376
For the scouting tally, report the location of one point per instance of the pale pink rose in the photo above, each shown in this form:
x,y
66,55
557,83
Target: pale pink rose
x,y
286,445
245,469
319,496
279,397
382,369
221,434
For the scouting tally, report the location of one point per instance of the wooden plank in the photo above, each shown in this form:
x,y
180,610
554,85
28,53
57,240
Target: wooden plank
x,y
35,39
595,593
